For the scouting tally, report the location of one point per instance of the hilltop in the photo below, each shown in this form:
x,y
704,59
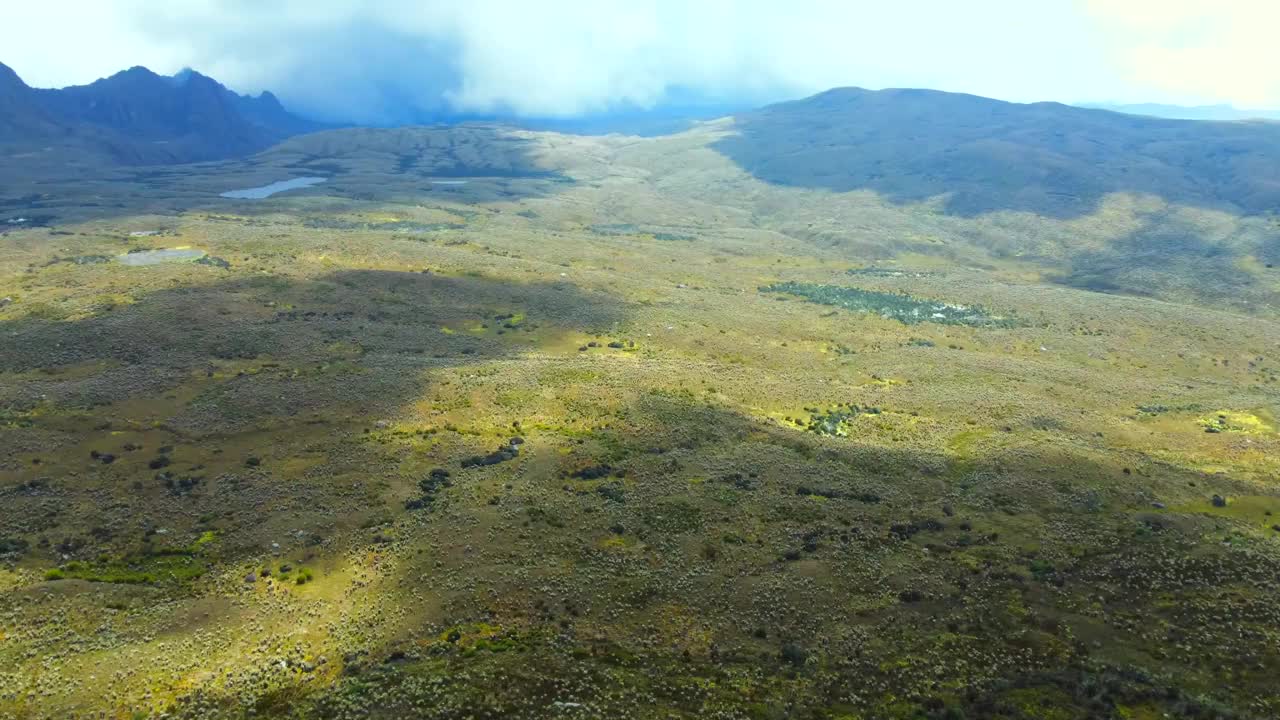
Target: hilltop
x,y
983,155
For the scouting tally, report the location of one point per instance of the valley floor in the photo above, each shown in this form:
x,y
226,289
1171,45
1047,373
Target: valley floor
x,y
550,445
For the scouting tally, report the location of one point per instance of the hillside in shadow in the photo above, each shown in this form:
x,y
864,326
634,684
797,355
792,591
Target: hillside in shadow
x,y
791,575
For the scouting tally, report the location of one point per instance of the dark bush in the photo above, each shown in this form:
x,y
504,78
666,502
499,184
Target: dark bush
x,y
501,455
794,654
13,546
595,472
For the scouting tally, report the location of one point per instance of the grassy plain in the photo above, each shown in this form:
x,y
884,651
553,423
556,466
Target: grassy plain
x,y
217,487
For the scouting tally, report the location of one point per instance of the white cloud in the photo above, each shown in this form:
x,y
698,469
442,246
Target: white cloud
x,y
52,43
1220,50
372,59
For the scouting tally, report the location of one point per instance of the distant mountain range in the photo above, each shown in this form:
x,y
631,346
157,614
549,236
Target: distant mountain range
x,y
985,155
1185,112
138,117
979,155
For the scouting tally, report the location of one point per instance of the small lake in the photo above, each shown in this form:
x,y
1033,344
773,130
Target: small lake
x,y
156,257
266,191
448,182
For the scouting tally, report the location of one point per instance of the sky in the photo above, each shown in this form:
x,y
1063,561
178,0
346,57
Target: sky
x,y
386,60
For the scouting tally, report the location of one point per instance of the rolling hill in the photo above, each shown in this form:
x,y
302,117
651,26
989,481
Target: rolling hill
x,y
21,115
985,155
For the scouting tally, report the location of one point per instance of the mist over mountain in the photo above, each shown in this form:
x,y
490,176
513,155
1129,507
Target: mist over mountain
x,y
1186,112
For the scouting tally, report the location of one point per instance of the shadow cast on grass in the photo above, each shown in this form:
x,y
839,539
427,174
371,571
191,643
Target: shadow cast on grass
x,y
721,563
190,408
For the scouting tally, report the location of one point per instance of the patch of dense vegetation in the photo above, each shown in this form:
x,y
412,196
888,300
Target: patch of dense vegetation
x,y
896,306
834,421
153,565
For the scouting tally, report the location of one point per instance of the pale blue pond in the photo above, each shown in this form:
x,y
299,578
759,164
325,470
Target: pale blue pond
x,y
266,191
155,257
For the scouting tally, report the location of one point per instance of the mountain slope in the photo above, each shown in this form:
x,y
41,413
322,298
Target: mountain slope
x,y
139,117
21,115
193,115
265,111
985,155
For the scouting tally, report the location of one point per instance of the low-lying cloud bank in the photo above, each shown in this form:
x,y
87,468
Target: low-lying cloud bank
x,y
389,61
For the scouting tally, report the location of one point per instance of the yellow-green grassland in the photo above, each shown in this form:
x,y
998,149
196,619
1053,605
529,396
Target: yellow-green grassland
x,y
496,423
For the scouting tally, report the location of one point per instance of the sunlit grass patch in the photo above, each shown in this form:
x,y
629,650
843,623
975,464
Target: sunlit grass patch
x,y
1260,510
155,565
133,570
1235,421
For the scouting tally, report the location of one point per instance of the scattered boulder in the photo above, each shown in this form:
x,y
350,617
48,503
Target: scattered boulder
x,y
1219,501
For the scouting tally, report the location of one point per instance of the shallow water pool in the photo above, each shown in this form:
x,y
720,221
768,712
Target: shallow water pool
x,y
266,191
156,257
